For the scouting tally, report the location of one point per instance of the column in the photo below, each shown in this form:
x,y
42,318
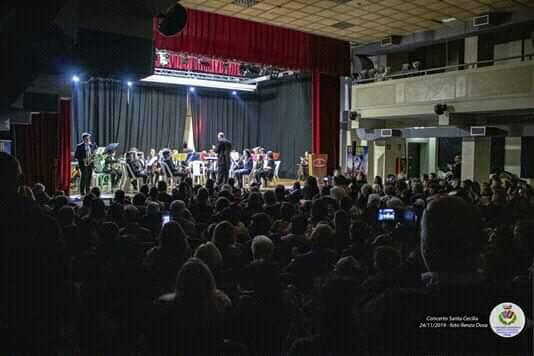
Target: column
x,y
471,50
476,156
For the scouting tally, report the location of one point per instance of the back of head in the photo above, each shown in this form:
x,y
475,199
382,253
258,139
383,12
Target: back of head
x,y
262,248
98,209
322,236
222,203
172,237
177,209
299,225
203,195
10,173
210,255
350,267
287,211
260,224
451,235
139,199
223,235
65,216
120,196
195,287
162,186
131,214
255,200
153,209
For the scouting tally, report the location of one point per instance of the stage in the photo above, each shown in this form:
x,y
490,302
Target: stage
x,y
108,196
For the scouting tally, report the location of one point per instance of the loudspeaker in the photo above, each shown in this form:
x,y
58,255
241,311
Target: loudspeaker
x,y
40,102
439,109
173,20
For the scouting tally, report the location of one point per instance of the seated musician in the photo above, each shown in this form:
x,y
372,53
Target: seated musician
x,y
264,170
152,166
135,164
110,166
168,160
245,167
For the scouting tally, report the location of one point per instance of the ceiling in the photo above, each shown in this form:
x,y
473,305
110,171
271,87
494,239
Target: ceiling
x,y
366,21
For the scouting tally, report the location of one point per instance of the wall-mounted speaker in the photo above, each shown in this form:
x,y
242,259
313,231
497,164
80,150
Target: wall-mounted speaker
x,y
439,109
173,20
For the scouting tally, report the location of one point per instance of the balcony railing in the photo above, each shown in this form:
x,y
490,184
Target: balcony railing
x,y
383,76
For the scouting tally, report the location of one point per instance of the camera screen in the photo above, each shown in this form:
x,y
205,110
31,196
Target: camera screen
x,y
386,214
166,218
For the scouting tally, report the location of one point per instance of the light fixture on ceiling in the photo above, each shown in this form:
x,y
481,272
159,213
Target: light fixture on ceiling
x,y
194,82
244,3
448,19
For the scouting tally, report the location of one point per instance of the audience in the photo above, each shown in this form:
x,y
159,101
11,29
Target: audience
x,y
305,271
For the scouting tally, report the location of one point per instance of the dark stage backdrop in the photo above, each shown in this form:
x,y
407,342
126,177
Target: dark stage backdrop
x,y
285,121
236,116
141,116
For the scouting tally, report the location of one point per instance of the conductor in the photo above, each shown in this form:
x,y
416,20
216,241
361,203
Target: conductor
x,y
223,149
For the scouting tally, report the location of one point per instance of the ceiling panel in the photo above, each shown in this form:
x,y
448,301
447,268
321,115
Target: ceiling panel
x,y
371,19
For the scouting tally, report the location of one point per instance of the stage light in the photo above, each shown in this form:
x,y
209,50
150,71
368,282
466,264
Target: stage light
x,y
194,82
192,89
75,79
234,92
130,84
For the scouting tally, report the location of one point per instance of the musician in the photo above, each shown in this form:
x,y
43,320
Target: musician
x,y
168,160
265,170
85,154
152,166
245,167
223,149
303,167
110,166
136,165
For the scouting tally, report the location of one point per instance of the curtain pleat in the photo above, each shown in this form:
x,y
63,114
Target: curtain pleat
x,y
141,116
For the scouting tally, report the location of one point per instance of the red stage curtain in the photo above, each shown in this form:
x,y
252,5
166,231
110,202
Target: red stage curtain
x,y
64,145
231,38
36,148
241,40
325,116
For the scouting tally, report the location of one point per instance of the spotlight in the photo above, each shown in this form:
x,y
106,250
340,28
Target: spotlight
x,y
234,92
192,89
130,84
75,78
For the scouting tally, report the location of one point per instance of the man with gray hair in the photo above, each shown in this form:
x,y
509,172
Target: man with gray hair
x,y
178,212
262,248
262,275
